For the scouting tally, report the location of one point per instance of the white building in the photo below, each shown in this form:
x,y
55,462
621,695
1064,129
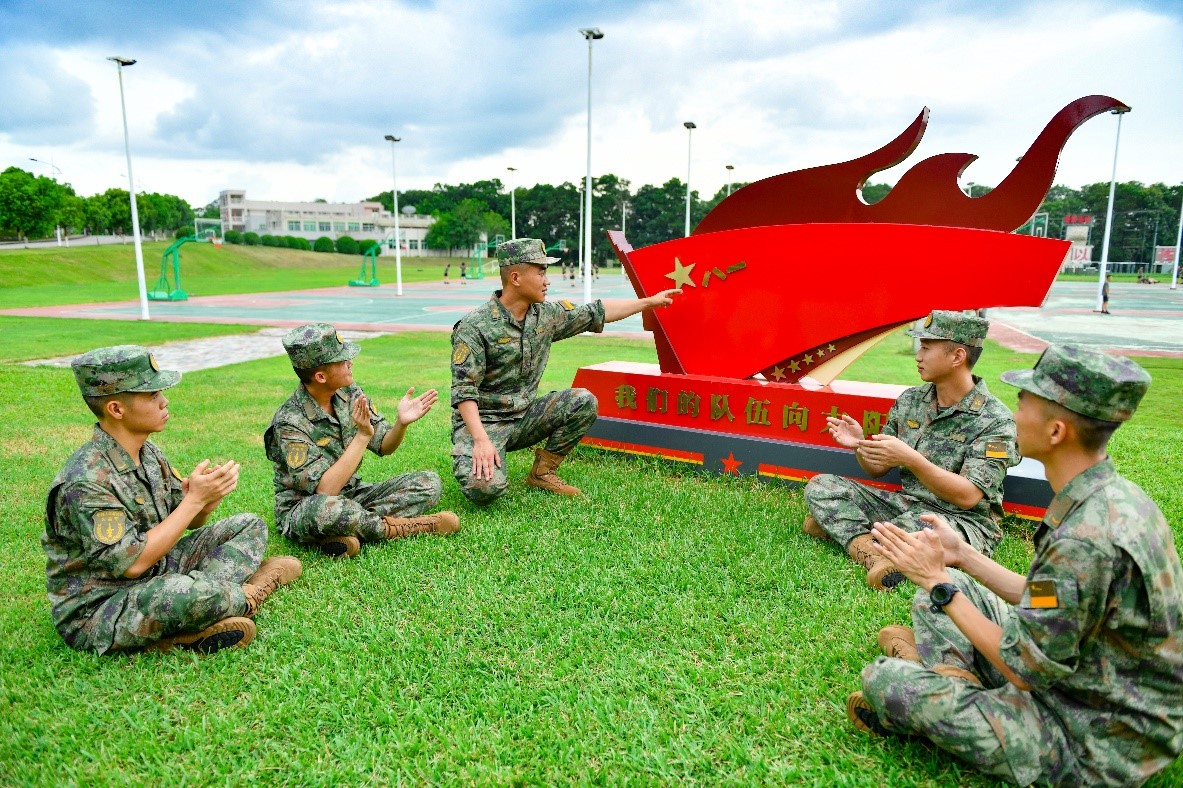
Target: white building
x,y
311,220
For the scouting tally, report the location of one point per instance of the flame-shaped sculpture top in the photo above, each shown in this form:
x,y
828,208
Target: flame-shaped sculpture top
x,y
928,193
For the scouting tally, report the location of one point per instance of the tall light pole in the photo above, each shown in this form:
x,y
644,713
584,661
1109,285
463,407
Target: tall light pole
x,y
1109,212
690,127
591,34
120,62
398,243
513,206
1178,238
56,172
623,216
729,169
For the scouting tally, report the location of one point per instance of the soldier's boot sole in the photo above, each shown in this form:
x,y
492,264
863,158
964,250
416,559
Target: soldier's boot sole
x,y
952,672
340,546
233,632
864,718
811,528
882,575
899,642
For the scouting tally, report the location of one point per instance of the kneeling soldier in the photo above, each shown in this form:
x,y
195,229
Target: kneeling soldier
x,y
119,574
1072,674
317,440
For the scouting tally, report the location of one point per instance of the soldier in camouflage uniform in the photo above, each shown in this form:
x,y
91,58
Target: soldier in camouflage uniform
x,y
120,572
951,439
317,440
1070,675
499,352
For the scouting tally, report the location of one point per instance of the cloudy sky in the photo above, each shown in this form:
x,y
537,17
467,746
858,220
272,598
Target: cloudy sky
x,y
291,99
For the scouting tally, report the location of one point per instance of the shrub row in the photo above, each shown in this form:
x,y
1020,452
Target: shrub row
x,y
343,245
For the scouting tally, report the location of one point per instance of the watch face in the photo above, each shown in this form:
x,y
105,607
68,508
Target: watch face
x,y
942,593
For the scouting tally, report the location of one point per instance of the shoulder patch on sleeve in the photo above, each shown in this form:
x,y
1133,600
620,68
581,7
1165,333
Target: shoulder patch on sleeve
x,y
109,525
567,305
460,353
297,454
1042,594
913,424
996,450
326,441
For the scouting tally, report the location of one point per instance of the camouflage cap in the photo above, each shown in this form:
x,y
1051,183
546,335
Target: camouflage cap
x,y
523,250
120,369
953,326
1085,381
314,344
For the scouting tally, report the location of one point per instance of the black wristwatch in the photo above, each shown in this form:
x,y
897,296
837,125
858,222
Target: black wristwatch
x,y
941,595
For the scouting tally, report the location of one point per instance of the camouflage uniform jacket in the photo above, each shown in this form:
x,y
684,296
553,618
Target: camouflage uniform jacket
x,y
99,510
303,442
974,438
498,362
1098,633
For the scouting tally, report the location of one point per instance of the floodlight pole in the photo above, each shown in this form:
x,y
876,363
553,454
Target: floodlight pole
x,y
1109,212
513,206
729,169
120,62
690,127
398,243
591,34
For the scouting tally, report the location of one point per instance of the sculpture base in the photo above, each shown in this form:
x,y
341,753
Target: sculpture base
x,y
776,431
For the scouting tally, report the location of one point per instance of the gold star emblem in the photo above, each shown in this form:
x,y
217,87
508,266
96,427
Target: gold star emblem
x,y
831,348
681,274
821,351
778,373
794,366
808,359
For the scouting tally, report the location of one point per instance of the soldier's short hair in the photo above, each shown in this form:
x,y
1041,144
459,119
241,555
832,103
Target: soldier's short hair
x,y
1092,434
98,405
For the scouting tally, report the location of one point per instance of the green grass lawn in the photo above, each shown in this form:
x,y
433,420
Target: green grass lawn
x,y
84,274
666,628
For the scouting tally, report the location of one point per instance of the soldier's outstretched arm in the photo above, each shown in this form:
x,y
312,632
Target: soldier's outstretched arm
x,y
618,309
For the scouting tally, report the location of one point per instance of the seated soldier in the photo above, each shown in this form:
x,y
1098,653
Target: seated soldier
x,y
120,571
499,352
951,439
317,440
1070,675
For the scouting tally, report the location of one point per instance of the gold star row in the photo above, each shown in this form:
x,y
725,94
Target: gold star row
x,y
778,372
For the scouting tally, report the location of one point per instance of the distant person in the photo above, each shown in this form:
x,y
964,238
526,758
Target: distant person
x,y
121,572
1105,295
499,352
463,271
951,439
1073,673
317,440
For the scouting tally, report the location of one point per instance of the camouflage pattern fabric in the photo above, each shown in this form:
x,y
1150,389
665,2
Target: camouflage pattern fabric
x,y
523,250
974,438
1098,635
561,418
120,369
315,344
954,326
1085,381
303,442
98,512
498,363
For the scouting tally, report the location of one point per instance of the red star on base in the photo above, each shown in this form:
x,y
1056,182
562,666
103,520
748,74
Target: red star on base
x,y
730,464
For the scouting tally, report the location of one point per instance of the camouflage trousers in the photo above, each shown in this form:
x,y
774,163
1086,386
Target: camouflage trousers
x,y
201,584
846,509
359,511
562,418
997,728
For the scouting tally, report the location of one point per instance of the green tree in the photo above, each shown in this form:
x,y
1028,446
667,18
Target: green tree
x,y
658,213
459,228
29,204
550,213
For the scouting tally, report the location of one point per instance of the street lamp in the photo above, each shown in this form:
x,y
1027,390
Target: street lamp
x,y
1119,111
398,244
120,62
623,216
690,127
513,206
1178,239
591,34
729,169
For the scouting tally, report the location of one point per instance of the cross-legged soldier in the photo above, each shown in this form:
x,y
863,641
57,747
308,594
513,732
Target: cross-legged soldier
x,y
951,439
499,352
1072,674
317,440
122,573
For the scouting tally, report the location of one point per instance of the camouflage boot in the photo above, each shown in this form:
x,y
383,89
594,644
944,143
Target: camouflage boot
x,y
337,546
881,573
811,528
543,475
899,642
234,632
442,523
863,716
271,574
